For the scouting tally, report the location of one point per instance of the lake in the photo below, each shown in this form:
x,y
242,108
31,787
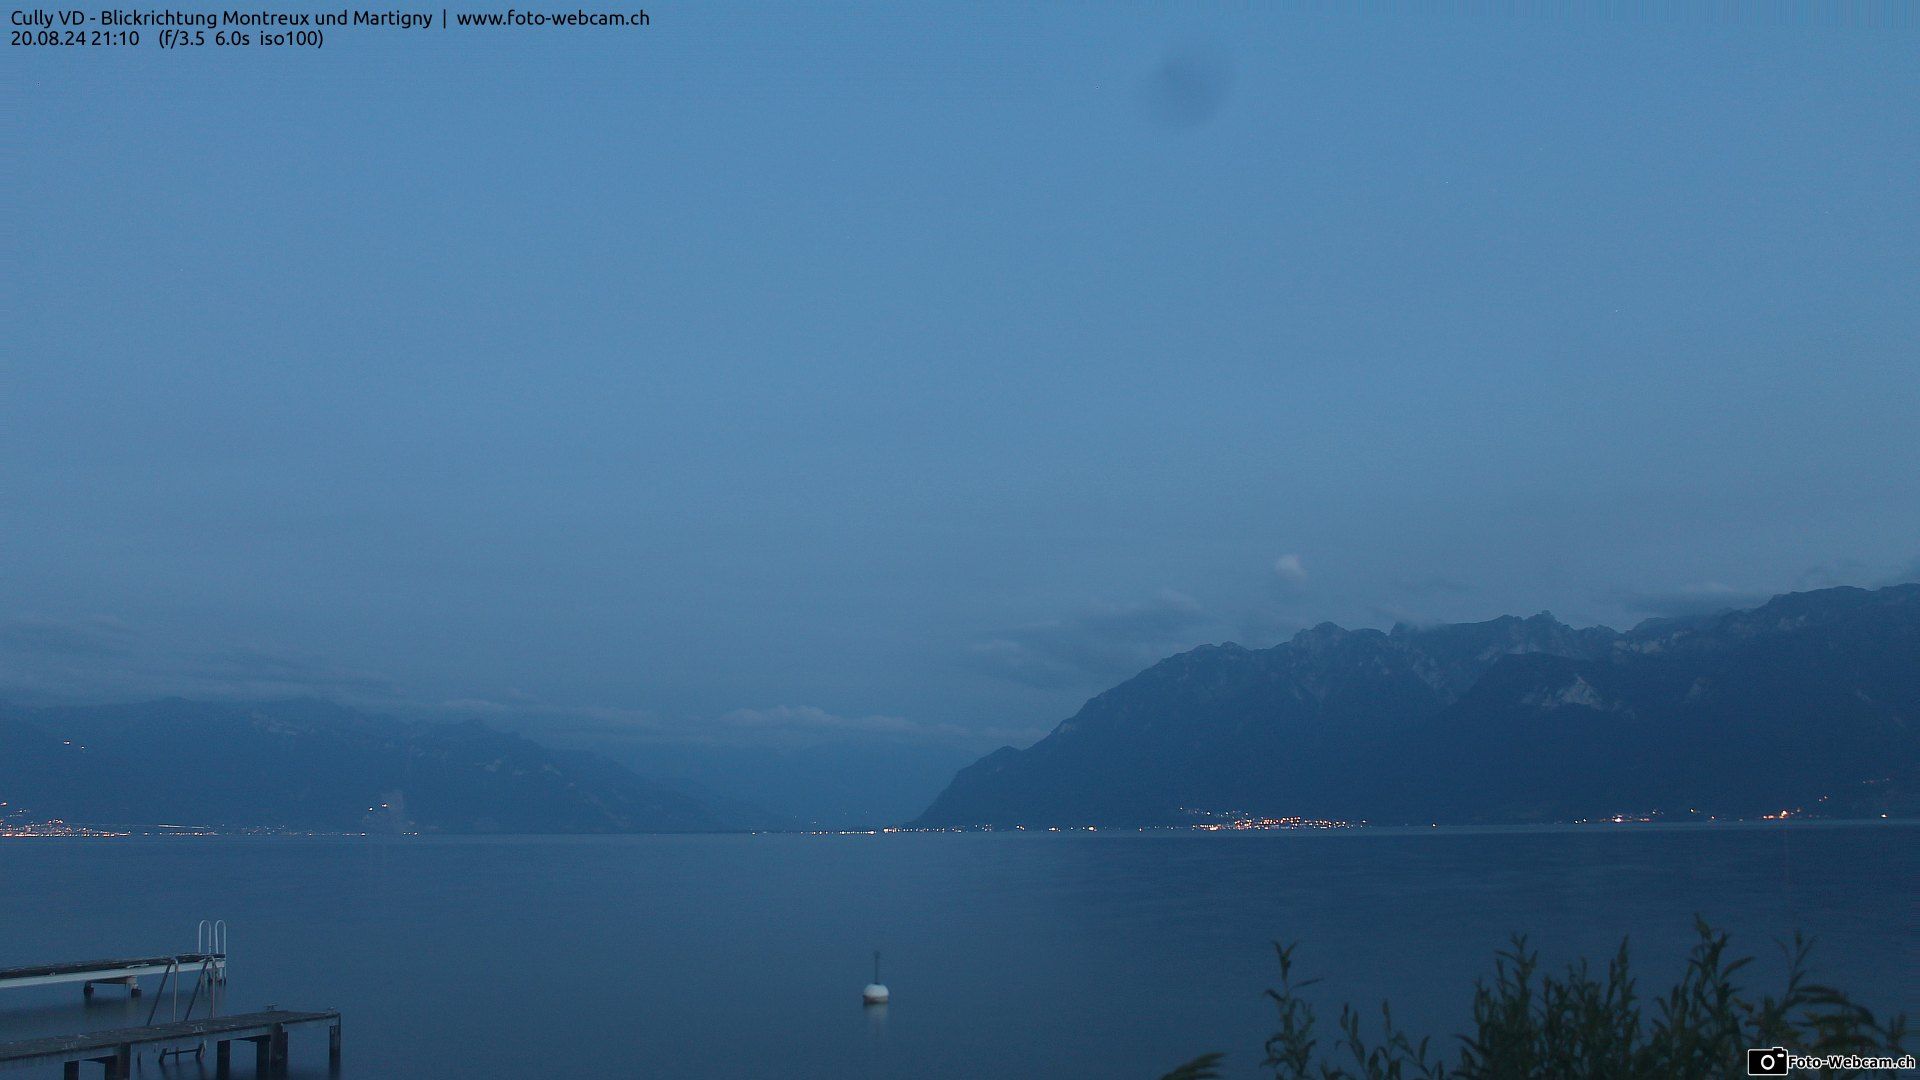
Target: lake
x,y
1008,954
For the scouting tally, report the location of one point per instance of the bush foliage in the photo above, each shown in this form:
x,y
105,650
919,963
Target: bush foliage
x,y
1530,1025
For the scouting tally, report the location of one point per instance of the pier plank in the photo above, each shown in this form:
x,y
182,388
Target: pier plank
x,y
105,967
91,1044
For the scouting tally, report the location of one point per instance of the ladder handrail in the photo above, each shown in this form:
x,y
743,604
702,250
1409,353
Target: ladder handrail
x,y
206,978
210,938
205,967
172,965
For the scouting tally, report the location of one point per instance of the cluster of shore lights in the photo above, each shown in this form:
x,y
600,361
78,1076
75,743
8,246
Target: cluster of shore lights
x,y
1246,824
51,827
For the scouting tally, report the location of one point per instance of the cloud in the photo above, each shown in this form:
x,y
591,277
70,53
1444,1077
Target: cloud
x,y
1276,611
1096,647
1290,570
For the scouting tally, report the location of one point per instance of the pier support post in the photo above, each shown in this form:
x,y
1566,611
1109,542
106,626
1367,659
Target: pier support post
x,y
131,982
223,1059
71,1071
262,1064
333,1048
278,1044
121,1066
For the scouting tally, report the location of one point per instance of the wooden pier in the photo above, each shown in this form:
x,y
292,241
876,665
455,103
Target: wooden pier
x,y
124,972
114,1050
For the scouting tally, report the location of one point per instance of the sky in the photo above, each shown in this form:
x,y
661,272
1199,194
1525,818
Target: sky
x,y
908,373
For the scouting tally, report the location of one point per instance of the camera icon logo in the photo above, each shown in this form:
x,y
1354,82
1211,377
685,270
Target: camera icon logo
x,y
1771,1061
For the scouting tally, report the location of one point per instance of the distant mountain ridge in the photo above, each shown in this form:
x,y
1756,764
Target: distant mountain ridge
x,y
1811,700
310,764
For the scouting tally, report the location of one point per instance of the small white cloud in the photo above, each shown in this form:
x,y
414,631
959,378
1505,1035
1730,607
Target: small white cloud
x,y
1290,569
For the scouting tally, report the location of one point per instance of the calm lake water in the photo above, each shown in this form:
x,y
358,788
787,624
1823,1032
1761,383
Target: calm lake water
x,y
1016,955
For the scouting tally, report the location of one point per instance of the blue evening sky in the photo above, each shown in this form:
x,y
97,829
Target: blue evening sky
x,y
919,370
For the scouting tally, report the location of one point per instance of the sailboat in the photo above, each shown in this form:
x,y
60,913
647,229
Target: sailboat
x,y
876,991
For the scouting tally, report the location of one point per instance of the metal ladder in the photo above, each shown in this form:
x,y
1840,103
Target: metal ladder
x,y
210,943
210,939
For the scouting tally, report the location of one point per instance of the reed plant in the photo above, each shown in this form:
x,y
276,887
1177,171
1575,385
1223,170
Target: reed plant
x,y
1583,1024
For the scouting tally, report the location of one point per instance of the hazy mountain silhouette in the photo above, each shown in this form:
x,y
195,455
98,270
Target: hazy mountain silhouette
x,y
1810,700
308,764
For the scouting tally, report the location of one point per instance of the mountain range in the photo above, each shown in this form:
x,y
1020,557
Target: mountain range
x,y
311,765
1807,704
